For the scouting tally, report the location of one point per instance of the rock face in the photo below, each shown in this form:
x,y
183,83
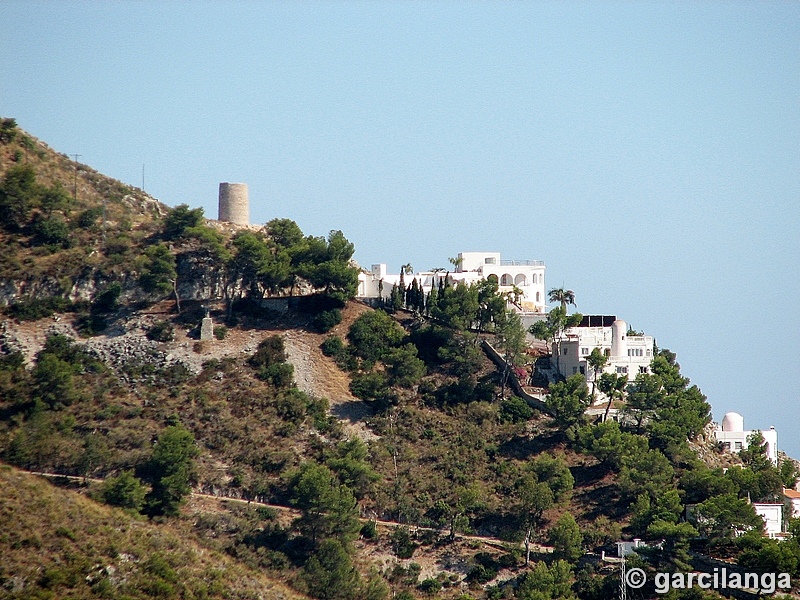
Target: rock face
x,y
125,349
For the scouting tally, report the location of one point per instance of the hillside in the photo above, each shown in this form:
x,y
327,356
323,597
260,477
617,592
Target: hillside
x,y
385,454
63,544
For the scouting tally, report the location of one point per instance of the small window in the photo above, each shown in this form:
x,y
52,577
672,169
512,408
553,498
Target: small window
x,y
566,351
583,371
622,370
642,369
726,446
489,260
737,445
574,370
584,351
648,353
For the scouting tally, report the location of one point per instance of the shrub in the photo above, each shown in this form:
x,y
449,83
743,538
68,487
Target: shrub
x,y
88,218
370,386
32,309
280,375
181,218
162,331
403,366
220,331
373,334
18,194
332,346
369,530
430,586
124,490
327,320
106,301
270,351
8,130
402,544
52,231
515,410
481,574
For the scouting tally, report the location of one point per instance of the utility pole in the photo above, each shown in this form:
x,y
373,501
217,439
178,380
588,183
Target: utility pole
x,y
623,584
75,177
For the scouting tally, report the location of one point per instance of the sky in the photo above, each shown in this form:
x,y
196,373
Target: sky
x,y
648,152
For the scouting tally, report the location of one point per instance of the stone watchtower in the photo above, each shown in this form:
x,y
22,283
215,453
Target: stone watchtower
x,y
234,206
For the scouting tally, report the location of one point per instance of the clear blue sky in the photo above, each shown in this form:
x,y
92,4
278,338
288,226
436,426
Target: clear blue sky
x,y
649,153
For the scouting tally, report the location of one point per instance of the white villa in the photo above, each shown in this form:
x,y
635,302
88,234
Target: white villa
x,y
734,437
627,355
527,276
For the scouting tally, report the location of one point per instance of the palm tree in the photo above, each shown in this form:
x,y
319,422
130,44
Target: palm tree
x,y
563,296
456,262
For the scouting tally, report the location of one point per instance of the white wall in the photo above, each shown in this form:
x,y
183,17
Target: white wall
x,y
737,441
578,343
772,515
526,275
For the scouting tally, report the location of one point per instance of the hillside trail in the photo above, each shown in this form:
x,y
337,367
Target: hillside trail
x,y
293,512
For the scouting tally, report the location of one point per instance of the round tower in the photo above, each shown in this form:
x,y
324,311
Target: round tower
x,y
619,341
234,205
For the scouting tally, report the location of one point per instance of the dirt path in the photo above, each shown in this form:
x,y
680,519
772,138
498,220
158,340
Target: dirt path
x,y
293,512
318,375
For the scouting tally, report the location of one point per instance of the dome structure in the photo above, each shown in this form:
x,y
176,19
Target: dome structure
x,y
733,421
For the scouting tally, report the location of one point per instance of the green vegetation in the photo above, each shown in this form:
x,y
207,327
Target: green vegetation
x,y
63,545
441,447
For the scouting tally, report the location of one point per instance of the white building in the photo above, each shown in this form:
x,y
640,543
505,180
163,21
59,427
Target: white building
x,y
772,514
791,499
627,355
526,276
733,436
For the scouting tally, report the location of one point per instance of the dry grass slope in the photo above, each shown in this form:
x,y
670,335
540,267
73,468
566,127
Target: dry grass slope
x,y
65,545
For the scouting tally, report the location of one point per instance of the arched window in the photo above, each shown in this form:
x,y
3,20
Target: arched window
x,y
492,278
520,280
506,279
538,297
